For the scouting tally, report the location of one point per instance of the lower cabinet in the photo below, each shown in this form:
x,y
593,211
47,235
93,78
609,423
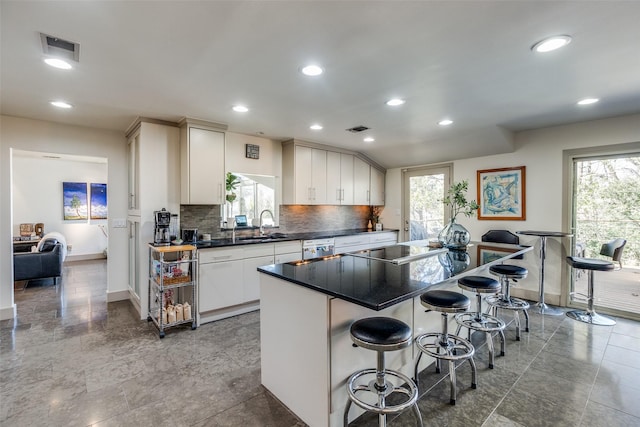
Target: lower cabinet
x,y
222,285
251,288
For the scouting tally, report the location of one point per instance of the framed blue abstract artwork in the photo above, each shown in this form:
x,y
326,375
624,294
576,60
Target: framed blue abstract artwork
x,y
501,194
98,206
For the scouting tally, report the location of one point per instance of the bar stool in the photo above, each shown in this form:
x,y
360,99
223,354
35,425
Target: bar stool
x,y
590,316
442,345
479,321
381,334
504,300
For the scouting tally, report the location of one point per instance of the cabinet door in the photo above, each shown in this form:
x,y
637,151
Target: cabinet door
x,y
290,257
206,167
360,181
319,176
220,285
134,171
376,187
303,185
346,178
252,277
334,179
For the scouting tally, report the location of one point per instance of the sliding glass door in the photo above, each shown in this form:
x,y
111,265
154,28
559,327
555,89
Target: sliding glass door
x,y
605,206
424,189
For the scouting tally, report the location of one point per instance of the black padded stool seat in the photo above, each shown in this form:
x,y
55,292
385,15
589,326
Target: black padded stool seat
x,y
381,334
589,315
445,301
504,300
513,271
479,321
590,263
443,345
479,284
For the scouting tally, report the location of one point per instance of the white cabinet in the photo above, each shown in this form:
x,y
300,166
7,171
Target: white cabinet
x,y
339,178
251,286
287,251
360,242
309,176
153,184
376,187
361,177
221,285
312,175
201,165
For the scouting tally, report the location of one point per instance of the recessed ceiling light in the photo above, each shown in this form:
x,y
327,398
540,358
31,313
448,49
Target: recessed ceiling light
x,y
240,109
551,43
61,104
395,102
588,101
58,63
315,127
368,139
312,70
445,122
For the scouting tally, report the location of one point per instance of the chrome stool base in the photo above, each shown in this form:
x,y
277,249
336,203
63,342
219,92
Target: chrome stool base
x,y
592,318
483,323
514,304
450,348
407,388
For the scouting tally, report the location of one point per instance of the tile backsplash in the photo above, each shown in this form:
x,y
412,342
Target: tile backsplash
x,y
293,218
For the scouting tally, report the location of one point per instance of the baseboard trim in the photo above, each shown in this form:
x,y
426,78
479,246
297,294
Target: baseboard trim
x,y
117,296
551,299
85,257
8,313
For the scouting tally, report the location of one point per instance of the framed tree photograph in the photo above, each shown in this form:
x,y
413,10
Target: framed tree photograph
x,y
501,194
74,201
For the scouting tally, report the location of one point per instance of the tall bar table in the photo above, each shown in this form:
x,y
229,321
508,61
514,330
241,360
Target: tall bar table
x,y
543,308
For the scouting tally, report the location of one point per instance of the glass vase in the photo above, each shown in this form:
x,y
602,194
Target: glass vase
x,y
454,235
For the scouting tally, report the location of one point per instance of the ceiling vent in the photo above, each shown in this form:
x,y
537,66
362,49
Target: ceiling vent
x,y
60,48
357,129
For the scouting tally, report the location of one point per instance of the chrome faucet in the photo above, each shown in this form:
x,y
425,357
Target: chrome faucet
x,y
233,231
261,225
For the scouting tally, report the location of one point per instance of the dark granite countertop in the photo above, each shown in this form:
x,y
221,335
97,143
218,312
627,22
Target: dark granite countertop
x,y
376,284
282,237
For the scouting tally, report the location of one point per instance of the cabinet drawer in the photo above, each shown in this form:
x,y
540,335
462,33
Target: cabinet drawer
x,y
362,239
288,247
219,255
257,250
384,237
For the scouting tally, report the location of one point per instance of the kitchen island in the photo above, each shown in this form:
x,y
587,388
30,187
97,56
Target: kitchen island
x,y
307,308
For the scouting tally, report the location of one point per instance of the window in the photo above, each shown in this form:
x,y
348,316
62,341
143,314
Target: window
x,y
255,193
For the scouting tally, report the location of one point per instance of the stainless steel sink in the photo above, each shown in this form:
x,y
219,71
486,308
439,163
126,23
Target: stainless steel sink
x,y
267,238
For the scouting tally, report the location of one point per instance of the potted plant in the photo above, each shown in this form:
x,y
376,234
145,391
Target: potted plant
x,y
231,183
454,235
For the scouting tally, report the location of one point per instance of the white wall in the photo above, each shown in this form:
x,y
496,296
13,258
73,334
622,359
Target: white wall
x,y
37,197
541,151
34,135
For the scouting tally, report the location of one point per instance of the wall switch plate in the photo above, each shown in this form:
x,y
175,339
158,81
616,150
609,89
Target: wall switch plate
x,y
119,223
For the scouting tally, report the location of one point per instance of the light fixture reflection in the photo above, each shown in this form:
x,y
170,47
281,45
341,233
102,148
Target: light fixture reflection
x,y
551,43
61,104
240,109
588,101
58,63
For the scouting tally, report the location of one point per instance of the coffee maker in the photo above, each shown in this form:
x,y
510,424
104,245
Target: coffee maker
x,y
161,236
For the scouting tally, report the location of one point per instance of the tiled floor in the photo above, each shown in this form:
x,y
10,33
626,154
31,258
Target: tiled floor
x,y
71,359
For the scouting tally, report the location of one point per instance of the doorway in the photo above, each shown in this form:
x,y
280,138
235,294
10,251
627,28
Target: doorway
x,y
605,199
424,212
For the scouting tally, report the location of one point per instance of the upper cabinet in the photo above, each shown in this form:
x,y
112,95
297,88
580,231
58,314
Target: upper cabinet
x,y
339,178
376,187
321,175
201,163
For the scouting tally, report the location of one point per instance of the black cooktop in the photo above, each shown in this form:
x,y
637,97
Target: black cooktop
x,y
399,254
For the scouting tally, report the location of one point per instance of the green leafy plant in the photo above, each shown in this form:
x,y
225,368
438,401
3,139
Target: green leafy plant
x,y
231,183
456,200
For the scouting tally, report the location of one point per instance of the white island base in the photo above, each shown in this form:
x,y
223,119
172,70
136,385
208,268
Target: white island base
x,y
307,353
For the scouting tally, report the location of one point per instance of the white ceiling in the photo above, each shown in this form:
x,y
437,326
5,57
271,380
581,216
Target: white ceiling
x,y
466,60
